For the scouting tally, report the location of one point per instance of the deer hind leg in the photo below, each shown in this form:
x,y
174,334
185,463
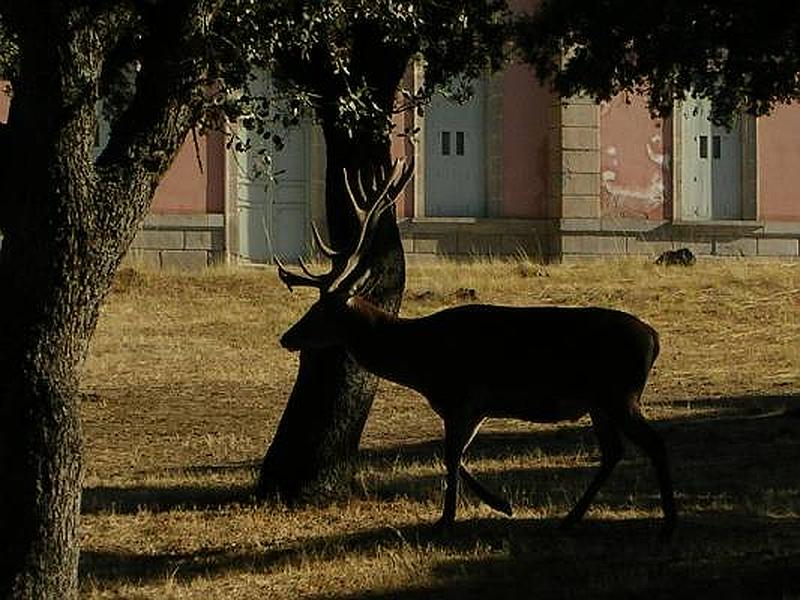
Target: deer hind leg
x,y
458,433
642,434
611,451
490,498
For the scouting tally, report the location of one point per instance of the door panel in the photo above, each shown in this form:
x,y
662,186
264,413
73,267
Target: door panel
x,y
253,225
273,200
273,197
726,172
711,159
455,156
289,226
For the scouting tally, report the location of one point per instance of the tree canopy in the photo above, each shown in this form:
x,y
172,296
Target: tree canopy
x,y
742,55
341,57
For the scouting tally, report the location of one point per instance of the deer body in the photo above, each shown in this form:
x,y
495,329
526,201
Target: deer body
x,y
472,362
541,364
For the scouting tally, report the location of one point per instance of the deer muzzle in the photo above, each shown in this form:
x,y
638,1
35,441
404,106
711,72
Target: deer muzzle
x,y
290,342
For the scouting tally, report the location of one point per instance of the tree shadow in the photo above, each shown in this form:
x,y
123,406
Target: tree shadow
x,y
713,553
130,499
716,438
736,469
116,566
750,443
620,559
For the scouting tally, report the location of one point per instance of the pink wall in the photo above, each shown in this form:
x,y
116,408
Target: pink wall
x,y
526,127
779,162
184,188
634,161
401,148
187,187
5,101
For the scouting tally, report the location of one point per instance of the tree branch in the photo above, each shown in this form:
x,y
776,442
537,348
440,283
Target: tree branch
x,y
171,88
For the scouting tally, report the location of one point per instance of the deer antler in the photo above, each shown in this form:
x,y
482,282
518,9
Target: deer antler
x,y
384,193
308,279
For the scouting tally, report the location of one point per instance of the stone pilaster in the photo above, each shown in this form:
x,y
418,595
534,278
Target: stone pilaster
x,y
575,159
494,145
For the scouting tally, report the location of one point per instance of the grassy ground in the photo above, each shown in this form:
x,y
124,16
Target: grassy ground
x,y
186,382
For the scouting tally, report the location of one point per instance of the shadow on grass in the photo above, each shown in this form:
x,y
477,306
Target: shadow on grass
x,y
714,553
130,499
752,444
620,559
714,440
105,566
564,440
736,473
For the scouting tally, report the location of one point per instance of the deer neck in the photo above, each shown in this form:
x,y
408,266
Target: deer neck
x,y
386,345
368,317
370,332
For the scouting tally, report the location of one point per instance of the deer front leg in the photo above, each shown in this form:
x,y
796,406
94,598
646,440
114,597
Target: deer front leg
x,y
642,434
610,454
458,433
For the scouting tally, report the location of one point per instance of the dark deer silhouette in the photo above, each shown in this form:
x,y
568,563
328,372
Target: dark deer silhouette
x,y
538,364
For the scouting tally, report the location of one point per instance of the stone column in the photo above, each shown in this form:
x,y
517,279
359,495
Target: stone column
x,y
575,159
494,145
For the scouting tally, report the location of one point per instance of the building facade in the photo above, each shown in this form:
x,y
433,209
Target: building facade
x,y
515,171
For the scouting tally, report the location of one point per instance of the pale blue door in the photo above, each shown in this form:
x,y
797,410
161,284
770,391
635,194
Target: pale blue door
x,y
711,162
273,195
455,156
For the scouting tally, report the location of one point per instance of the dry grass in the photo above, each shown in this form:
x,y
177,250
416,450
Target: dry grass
x,y
185,385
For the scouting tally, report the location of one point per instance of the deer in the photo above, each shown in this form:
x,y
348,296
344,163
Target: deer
x,y
542,364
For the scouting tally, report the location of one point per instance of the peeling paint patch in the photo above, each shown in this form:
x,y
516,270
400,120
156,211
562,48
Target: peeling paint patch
x,y
656,157
630,201
634,162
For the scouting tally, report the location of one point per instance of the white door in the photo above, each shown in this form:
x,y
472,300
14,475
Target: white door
x,y
455,156
711,164
273,198
273,191
251,207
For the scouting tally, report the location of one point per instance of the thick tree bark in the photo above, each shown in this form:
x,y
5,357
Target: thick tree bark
x,y
55,270
314,451
40,456
67,222
48,309
56,264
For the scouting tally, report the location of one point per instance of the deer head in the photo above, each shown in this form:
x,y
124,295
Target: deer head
x,y
328,321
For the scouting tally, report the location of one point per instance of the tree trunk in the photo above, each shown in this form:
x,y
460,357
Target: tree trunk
x,y
66,225
314,451
40,453
56,264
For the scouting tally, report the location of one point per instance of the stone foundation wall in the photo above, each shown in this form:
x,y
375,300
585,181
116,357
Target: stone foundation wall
x,y
183,242
593,237
197,241
471,238
582,237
